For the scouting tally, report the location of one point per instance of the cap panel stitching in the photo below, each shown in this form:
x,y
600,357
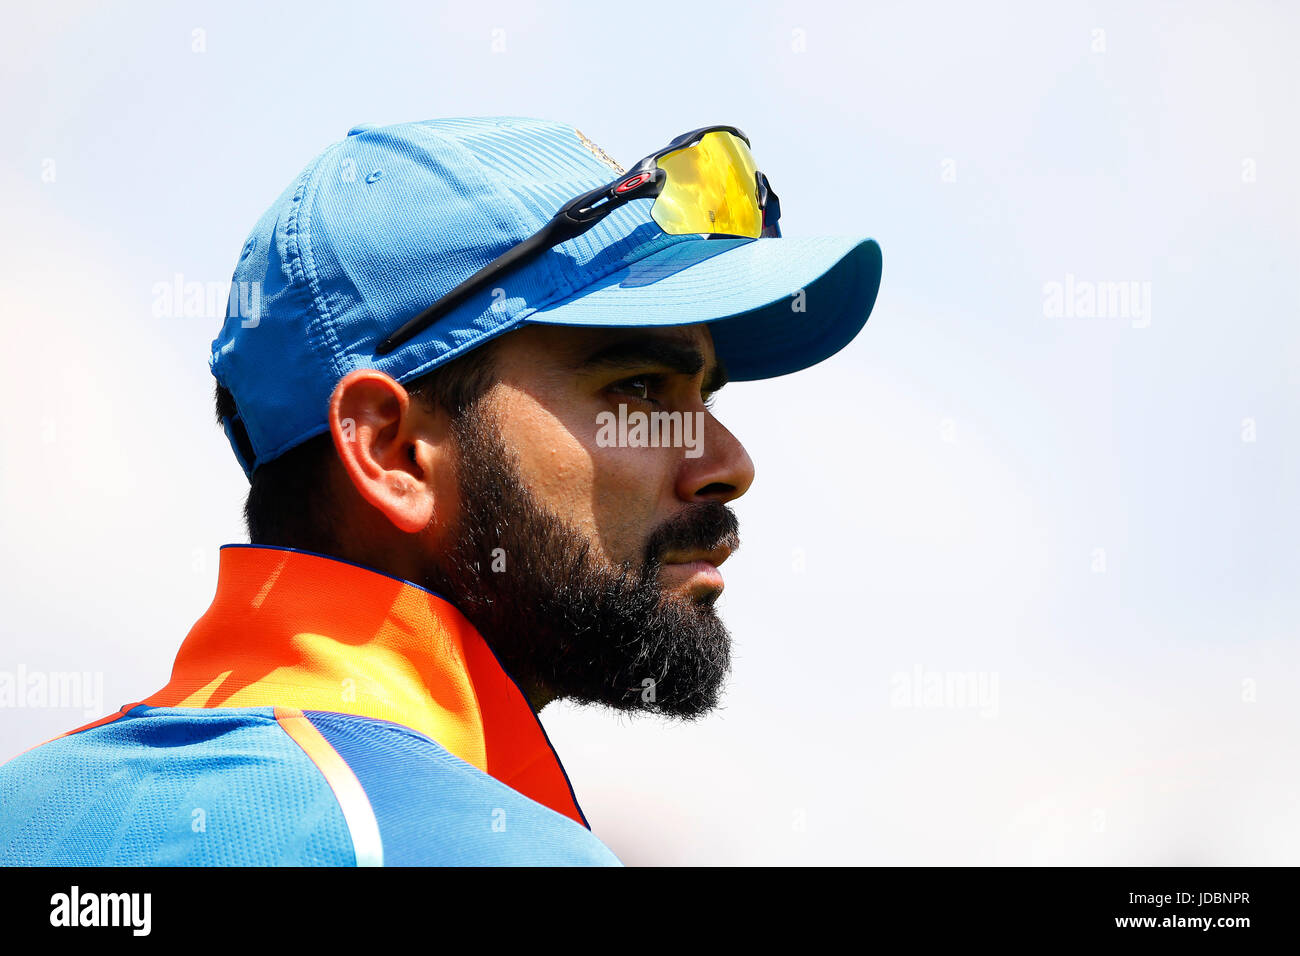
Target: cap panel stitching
x,y
324,338
291,255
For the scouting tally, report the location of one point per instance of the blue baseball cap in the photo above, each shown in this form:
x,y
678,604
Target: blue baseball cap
x,y
384,223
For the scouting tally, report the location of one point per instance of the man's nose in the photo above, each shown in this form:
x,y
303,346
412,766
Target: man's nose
x,y
721,471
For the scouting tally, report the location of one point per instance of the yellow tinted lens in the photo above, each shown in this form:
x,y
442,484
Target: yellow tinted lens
x,y
711,188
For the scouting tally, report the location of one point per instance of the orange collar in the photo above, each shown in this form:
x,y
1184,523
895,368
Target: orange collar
x,y
296,629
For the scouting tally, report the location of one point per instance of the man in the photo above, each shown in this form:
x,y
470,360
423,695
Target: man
x,y
467,370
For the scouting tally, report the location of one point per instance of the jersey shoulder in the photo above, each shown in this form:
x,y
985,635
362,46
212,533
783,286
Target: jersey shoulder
x,y
171,786
265,786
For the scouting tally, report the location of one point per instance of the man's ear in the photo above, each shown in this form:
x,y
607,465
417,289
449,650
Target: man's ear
x,y
389,446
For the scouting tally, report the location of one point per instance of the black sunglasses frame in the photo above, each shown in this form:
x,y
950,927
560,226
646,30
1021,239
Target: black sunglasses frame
x,y
645,180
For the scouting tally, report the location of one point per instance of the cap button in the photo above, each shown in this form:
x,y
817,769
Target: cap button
x,y
362,128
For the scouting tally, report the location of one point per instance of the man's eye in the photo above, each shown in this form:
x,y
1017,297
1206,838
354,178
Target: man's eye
x,y
638,387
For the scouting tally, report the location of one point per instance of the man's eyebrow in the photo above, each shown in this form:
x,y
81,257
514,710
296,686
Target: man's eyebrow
x,y
642,351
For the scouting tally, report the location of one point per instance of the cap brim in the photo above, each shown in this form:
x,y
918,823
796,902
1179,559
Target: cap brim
x,y
774,306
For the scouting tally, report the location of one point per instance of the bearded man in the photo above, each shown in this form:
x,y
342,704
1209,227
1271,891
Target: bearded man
x,y
445,532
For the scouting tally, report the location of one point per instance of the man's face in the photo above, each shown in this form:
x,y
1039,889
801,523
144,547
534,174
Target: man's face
x,y
585,558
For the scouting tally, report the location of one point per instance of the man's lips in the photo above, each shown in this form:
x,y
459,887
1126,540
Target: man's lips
x,y
697,568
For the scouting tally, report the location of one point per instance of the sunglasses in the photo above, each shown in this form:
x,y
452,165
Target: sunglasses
x,y
704,182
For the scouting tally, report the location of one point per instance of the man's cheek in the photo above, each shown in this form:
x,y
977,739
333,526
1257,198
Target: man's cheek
x,y
629,489
555,467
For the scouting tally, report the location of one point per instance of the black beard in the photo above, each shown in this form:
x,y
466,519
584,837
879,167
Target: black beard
x,y
564,624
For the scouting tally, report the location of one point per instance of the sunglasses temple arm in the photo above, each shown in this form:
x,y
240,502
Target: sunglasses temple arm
x,y
559,229
771,203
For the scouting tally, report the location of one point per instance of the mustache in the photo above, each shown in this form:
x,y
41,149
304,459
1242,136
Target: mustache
x,y
702,526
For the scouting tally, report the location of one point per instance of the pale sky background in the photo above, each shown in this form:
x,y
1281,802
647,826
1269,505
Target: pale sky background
x,y
931,500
